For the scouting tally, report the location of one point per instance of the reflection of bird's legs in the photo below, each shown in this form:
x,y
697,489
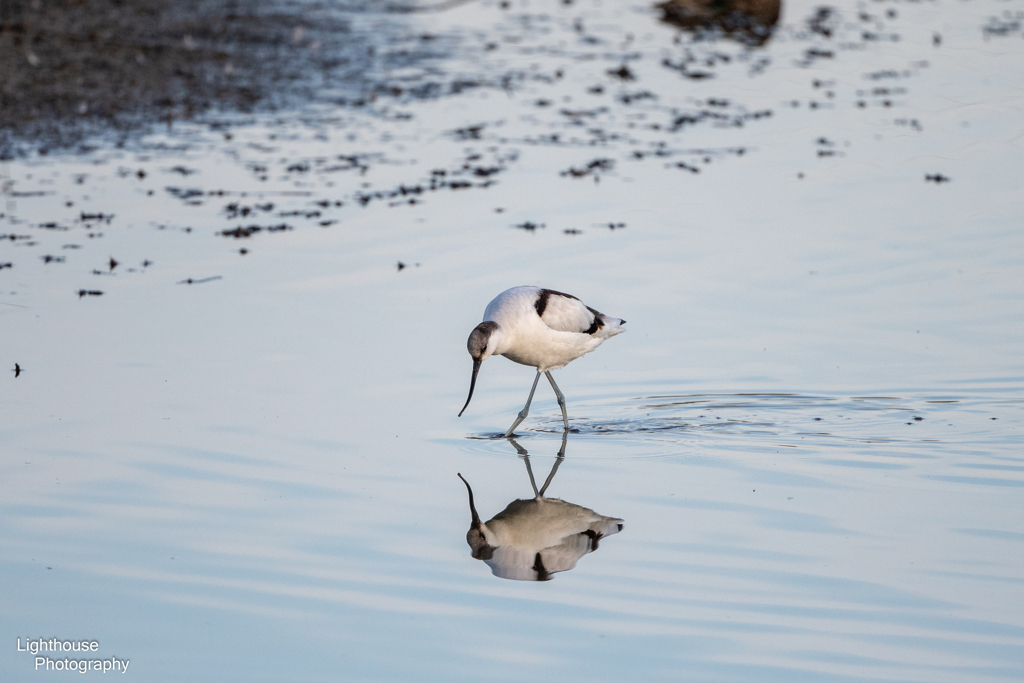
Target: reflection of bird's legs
x,y
529,471
515,444
526,409
554,468
561,399
551,475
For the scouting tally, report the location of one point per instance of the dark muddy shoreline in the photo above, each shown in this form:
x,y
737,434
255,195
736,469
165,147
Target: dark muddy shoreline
x,y
73,68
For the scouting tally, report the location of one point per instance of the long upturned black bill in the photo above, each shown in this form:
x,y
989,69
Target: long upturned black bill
x,y
472,385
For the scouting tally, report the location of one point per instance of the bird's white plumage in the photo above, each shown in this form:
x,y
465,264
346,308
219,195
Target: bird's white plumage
x,y
541,328
549,340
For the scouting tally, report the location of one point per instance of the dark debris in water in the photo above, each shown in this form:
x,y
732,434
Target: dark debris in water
x,y
272,48
191,281
749,21
250,230
594,169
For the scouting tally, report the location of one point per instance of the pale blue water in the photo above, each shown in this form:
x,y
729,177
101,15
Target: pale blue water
x,y
255,477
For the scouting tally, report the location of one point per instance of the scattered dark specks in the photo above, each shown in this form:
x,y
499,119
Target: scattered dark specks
x,y
623,73
594,168
248,231
630,98
529,226
184,193
936,178
616,226
469,132
401,266
95,217
89,292
191,281
17,370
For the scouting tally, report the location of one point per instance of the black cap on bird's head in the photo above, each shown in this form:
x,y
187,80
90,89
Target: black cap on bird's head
x,y
481,345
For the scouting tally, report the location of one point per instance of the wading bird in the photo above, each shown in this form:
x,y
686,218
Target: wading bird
x,y
541,328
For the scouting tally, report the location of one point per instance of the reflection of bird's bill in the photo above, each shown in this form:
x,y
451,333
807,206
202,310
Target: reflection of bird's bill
x,y
472,507
472,385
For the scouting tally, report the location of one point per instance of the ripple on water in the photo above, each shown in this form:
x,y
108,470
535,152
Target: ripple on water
x,y
890,431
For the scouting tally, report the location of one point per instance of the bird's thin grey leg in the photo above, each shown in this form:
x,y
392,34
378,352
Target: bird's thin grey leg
x,y
561,400
526,409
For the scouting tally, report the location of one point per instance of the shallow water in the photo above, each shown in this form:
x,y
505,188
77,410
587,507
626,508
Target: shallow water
x,y
238,466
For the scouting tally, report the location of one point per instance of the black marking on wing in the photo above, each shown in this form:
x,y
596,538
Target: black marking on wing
x,y
545,294
596,325
538,566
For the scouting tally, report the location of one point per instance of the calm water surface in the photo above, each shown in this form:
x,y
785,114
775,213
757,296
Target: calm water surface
x,y
243,466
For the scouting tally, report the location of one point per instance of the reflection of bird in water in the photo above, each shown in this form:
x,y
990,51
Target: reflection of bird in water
x,y
538,327
532,539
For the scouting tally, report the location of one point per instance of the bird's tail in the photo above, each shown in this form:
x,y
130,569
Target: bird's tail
x,y
612,326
